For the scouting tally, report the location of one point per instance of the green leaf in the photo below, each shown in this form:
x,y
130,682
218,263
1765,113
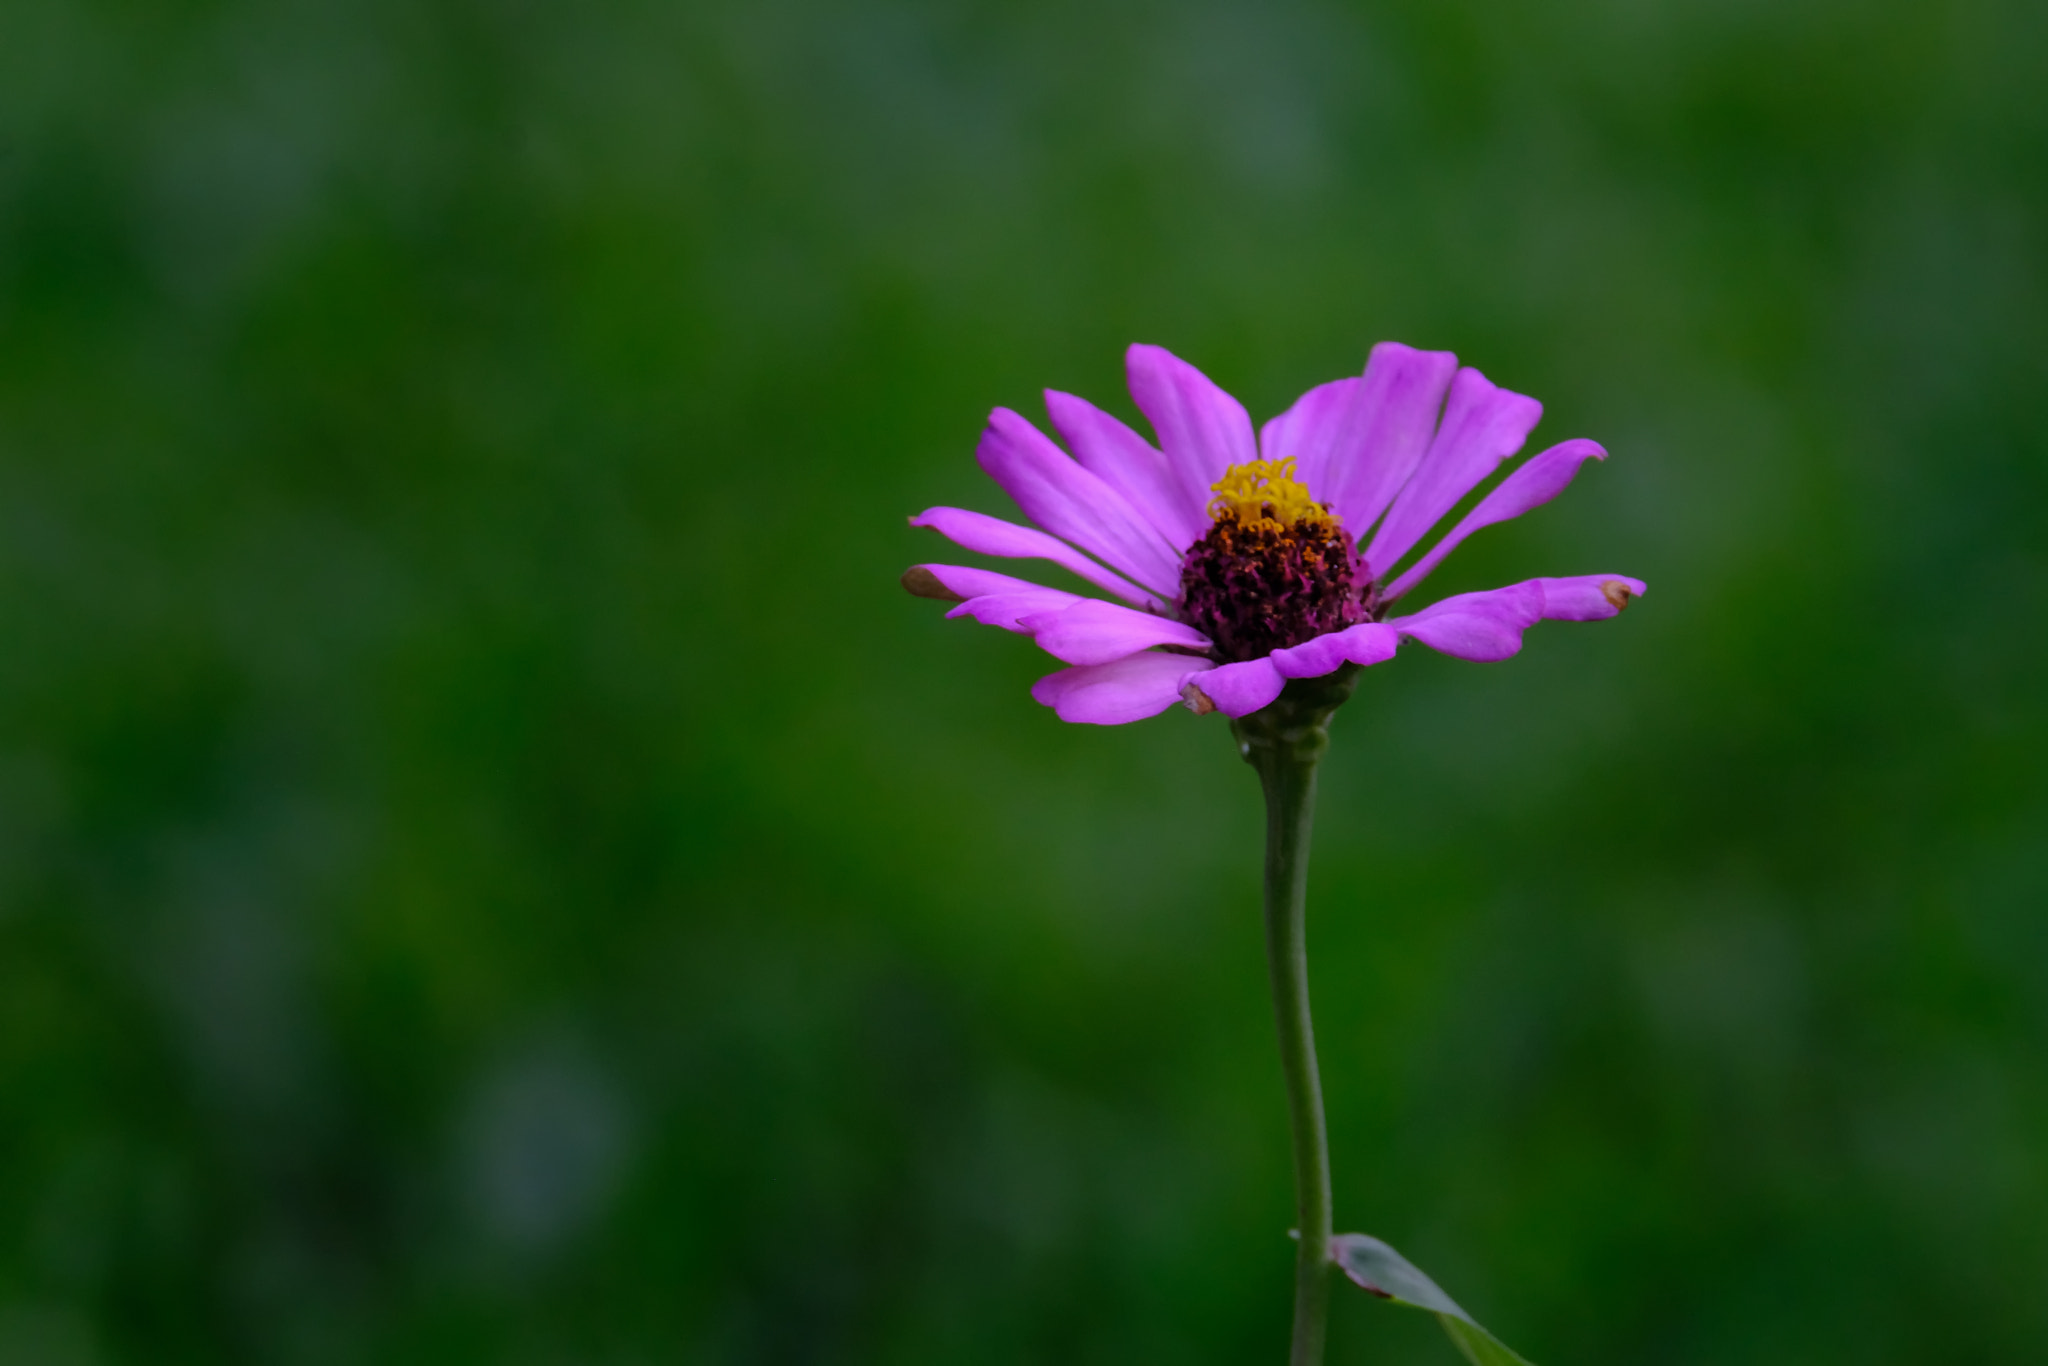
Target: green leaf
x,y
1378,1268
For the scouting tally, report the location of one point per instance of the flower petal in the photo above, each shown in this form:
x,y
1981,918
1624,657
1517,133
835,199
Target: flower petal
x,y
1488,626
993,536
1371,642
1540,479
1483,425
1008,610
1241,689
1202,430
958,582
1073,504
1128,463
1094,632
984,595
1481,626
1313,432
1588,597
1128,689
1376,446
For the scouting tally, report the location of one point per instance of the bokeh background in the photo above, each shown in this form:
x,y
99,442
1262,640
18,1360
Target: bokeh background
x,y
493,869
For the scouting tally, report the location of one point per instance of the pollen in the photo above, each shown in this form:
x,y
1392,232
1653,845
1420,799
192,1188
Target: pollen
x,y
1275,569
1265,493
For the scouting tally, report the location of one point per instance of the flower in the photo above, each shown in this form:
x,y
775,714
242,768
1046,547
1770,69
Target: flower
x,y
1240,560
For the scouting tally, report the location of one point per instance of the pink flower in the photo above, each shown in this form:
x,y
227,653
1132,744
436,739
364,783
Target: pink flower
x,y
1239,559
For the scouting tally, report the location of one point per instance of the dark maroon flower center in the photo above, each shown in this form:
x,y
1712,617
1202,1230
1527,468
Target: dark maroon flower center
x,y
1275,570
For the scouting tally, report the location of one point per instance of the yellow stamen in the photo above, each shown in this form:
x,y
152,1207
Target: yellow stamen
x,y
1265,492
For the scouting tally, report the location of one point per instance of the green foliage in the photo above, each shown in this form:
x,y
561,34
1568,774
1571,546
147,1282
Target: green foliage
x,y
1378,1268
492,868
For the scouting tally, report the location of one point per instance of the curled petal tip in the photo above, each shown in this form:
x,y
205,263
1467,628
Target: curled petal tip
x,y
1615,591
1195,700
920,582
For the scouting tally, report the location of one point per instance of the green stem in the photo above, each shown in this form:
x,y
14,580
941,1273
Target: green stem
x,y
1284,742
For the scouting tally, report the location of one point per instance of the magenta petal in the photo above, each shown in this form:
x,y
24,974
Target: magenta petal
x,y
1371,642
1128,463
1241,689
1203,430
1008,610
1588,597
988,535
988,597
1092,632
1481,626
1540,479
1483,425
964,581
1313,433
1379,443
1074,505
1128,689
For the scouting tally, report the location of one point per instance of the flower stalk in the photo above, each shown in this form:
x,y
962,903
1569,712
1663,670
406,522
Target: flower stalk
x,y
1284,742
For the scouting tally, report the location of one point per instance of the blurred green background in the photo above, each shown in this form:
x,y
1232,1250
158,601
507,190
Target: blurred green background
x,y
493,869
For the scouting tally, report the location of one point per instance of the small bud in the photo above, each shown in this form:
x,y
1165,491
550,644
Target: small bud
x,y
922,583
1616,592
1196,700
